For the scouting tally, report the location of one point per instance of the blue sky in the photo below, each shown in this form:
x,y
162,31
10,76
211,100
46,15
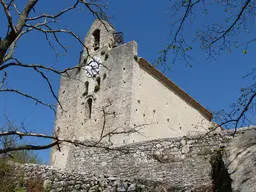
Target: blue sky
x,y
214,83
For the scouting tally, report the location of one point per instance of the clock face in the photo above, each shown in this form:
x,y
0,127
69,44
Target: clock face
x,y
93,67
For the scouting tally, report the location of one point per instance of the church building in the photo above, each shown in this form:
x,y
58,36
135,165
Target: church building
x,y
116,97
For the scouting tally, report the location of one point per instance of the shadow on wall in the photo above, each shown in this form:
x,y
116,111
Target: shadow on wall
x,y
220,175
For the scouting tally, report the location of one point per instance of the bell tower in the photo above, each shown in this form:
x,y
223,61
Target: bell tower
x,y
100,36
96,98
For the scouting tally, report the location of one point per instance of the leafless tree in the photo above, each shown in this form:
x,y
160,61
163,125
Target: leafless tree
x,y
22,21
46,24
228,21
11,141
11,136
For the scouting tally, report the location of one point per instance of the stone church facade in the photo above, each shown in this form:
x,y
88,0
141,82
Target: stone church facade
x,y
116,97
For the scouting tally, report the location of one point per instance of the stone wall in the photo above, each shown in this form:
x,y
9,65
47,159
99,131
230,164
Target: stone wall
x,y
180,163
53,180
203,163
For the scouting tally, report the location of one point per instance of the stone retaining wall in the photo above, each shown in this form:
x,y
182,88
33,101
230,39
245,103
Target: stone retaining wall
x,y
216,162
53,180
178,163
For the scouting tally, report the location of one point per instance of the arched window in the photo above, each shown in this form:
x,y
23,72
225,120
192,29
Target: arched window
x,y
89,105
96,35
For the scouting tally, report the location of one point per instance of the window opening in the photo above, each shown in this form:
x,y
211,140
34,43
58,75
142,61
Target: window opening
x,y
96,35
97,87
104,76
86,88
98,80
89,102
106,57
118,39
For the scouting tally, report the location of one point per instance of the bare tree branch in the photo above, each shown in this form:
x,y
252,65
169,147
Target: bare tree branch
x,y
19,64
27,147
213,38
50,86
56,142
28,96
56,15
46,24
11,36
8,15
3,80
225,32
15,7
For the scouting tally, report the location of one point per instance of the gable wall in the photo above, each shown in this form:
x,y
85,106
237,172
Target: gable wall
x,y
160,113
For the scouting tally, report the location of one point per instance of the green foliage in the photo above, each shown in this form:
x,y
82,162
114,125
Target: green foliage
x,y
10,179
25,157
48,188
12,141
20,189
188,49
6,182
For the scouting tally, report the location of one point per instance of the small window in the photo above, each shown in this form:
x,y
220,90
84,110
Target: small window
x,y
104,76
97,86
86,88
98,80
89,104
106,57
96,35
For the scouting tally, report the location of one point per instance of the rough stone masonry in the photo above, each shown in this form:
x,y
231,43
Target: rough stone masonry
x,y
213,162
